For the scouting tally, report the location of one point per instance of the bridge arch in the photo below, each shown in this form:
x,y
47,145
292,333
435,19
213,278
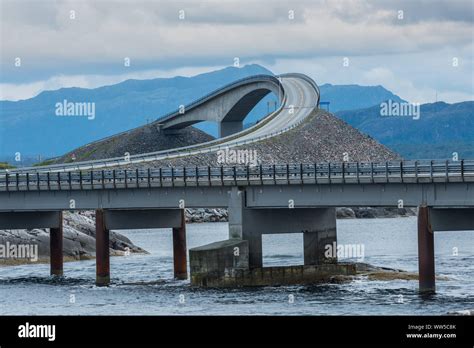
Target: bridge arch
x,y
228,106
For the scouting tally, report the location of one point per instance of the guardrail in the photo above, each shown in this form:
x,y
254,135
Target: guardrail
x,y
309,80
286,174
182,151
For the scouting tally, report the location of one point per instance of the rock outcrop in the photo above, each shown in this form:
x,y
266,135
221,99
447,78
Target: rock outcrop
x,y
322,137
78,239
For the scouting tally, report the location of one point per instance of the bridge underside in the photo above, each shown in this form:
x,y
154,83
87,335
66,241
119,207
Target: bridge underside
x,y
247,222
228,111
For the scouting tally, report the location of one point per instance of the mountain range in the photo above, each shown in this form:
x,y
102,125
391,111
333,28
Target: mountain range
x,y
441,131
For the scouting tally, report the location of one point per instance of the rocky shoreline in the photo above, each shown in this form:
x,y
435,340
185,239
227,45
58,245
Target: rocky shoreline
x,y
78,242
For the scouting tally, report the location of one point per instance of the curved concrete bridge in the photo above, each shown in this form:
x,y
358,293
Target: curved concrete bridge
x,y
228,106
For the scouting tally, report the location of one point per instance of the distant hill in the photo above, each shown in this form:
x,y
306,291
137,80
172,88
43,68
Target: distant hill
x,y
441,130
350,97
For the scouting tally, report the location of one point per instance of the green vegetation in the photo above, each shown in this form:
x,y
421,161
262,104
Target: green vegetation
x,y
5,165
43,163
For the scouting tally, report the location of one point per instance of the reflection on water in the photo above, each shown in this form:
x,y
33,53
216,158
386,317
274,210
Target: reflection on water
x,y
143,284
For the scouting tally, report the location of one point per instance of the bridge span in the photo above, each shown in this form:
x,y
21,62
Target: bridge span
x,y
260,199
298,95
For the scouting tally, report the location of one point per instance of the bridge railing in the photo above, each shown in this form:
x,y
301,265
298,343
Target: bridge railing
x,y
241,175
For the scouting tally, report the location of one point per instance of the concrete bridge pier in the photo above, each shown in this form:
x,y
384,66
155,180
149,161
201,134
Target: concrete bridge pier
x,y
437,219
102,252
426,259
56,247
318,226
230,127
179,249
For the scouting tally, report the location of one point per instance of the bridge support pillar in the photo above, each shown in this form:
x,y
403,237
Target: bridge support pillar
x,y
56,248
179,249
230,127
320,234
318,226
426,258
102,250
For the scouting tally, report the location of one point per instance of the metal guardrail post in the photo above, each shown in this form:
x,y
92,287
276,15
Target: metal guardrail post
x,y
27,181
315,173
386,171
260,174
372,172
357,171
343,173
274,174
184,176
102,174
209,175
69,180
196,174
47,180
16,178
148,177
172,176
401,171
235,176
288,173
222,175
80,179
416,171
329,172
431,171
462,170
161,178
113,179
248,175
447,172
301,173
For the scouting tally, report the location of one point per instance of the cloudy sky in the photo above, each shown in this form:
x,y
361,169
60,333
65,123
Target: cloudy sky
x,y
419,49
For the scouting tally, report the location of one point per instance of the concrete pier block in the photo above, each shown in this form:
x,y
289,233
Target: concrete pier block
x,y
318,226
56,247
217,261
322,234
102,250
426,258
